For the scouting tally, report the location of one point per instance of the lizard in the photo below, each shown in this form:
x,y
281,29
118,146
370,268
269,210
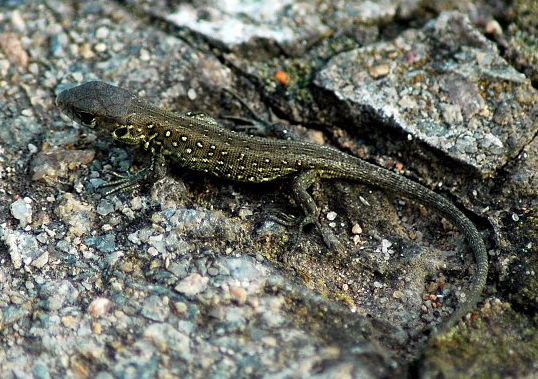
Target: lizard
x,y
196,141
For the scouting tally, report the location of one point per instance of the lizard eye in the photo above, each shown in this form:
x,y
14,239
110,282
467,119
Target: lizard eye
x,y
86,118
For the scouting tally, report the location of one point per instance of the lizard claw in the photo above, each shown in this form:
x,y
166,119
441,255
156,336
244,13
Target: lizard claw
x,y
126,182
285,219
117,174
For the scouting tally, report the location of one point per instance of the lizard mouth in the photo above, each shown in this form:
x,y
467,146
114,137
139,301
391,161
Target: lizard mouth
x,y
79,116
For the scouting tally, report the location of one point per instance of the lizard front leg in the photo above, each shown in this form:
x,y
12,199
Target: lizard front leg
x,y
153,172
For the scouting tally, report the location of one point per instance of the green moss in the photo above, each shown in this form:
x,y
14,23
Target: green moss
x,y
500,344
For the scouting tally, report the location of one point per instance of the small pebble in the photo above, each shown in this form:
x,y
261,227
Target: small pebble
x,y
86,52
180,307
192,284
70,322
212,271
41,261
493,27
32,149
11,44
100,306
397,294
356,229
101,33
22,211
239,295
379,71
100,47
191,94
364,201
97,328
41,371
17,21
385,246
144,55
27,112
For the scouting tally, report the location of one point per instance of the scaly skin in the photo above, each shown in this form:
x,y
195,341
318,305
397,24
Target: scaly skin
x,y
196,141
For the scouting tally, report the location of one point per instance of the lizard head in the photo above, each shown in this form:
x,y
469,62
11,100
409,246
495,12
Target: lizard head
x,y
109,109
96,105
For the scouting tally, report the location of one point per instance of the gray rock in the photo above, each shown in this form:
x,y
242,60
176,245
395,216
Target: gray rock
x,y
17,130
21,209
441,86
179,269
58,294
192,285
41,371
76,214
49,165
256,307
245,268
273,22
154,309
12,314
159,243
166,337
105,243
23,248
105,207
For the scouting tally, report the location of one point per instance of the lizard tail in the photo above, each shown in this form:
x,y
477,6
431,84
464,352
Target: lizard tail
x,y
387,180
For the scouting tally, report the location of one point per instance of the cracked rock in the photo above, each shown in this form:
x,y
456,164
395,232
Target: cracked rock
x,y
446,85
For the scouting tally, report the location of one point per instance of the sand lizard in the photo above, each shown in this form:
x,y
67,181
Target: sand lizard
x,y
196,141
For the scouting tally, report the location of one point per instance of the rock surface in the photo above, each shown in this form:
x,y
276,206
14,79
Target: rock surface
x,y
194,277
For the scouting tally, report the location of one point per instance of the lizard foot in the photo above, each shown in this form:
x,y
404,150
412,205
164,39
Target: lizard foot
x,y
125,182
285,219
336,248
131,181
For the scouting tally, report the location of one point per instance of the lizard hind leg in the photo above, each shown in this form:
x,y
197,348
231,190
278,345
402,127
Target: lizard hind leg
x,y
301,183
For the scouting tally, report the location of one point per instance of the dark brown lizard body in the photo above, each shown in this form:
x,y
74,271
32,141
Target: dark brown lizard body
x,y
197,142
